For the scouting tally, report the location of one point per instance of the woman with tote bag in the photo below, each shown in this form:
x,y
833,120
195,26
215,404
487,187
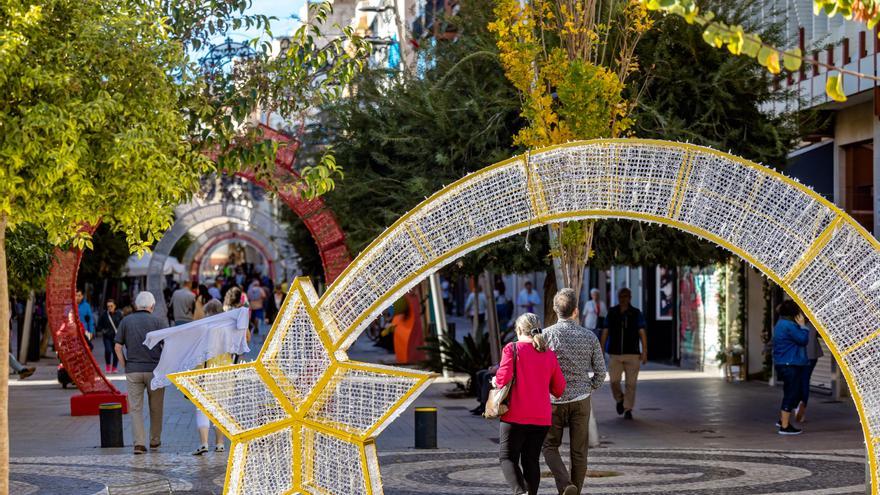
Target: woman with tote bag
x,y
533,373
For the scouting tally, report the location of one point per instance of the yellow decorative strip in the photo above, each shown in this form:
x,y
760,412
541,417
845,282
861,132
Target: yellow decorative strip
x,y
811,252
407,227
861,343
684,172
265,429
365,469
280,396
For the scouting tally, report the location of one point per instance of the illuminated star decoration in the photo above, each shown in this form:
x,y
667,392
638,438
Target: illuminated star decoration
x,y
302,417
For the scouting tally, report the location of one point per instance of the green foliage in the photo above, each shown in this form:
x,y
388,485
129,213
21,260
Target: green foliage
x,y
627,242
469,356
105,118
29,257
301,239
692,92
401,140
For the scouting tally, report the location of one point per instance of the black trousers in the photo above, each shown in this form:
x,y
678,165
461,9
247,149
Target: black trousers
x,y
520,454
110,357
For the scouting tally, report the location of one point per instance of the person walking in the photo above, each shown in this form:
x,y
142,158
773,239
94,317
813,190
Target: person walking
x,y
534,371
814,352
213,307
528,300
595,312
86,317
256,297
623,335
139,363
183,303
202,298
108,322
579,355
19,369
790,340
215,289
475,307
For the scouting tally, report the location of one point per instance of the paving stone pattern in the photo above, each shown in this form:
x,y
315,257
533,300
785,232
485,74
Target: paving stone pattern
x,y
693,435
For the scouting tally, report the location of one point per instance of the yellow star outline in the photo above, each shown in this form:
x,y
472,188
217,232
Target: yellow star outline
x,y
302,417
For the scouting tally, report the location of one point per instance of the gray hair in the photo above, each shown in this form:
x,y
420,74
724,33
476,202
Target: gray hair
x,y
565,303
528,325
594,291
144,300
213,307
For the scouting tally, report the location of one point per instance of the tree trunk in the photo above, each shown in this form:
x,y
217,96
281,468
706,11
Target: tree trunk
x,y
26,332
4,370
549,292
494,332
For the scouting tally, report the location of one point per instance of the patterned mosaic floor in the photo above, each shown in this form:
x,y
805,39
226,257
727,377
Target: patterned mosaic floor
x,y
684,472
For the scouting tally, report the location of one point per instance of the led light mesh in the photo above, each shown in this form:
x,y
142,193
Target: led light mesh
x,y
476,207
842,285
355,399
235,396
295,356
263,464
331,466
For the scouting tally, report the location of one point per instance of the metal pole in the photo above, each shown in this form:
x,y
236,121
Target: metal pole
x,y
439,315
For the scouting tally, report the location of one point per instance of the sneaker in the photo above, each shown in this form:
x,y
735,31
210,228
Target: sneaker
x,y
155,446
570,490
203,449
26,373
106,368
220,448
628,415
620,407
790,430
139,449
114,370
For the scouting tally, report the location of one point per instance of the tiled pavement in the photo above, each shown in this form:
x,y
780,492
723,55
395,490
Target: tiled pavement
x,y
693,434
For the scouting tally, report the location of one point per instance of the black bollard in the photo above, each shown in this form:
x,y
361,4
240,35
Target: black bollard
x,y
111,424
426,427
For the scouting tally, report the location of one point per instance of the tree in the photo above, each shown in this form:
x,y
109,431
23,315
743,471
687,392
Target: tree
x,y
401,140
571,61
104,118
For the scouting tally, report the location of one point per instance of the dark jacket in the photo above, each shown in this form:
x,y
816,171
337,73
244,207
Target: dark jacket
x,y
790,343
623,330
104,325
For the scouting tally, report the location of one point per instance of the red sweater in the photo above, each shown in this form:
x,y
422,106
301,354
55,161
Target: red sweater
x,y
537,376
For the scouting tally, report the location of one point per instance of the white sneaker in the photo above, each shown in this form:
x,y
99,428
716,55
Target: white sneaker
x,y
201,450
220,448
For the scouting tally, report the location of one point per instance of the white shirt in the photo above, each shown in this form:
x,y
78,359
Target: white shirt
x,y
481,303
592,314
531,300
187,346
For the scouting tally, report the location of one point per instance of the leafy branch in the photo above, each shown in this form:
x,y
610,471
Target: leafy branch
x,y
740,42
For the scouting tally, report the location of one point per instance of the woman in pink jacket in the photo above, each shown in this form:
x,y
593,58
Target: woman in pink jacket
x,y
527,421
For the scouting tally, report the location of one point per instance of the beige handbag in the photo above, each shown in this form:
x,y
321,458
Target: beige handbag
x,y
496,405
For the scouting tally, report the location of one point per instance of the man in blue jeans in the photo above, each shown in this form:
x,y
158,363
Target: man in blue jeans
x,y
790,340
85,317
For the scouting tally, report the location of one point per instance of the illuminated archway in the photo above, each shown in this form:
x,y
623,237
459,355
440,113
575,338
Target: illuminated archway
x,y
220,235
253,219
827,262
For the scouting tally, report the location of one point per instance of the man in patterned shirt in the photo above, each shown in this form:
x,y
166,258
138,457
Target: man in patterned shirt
x,y
579,354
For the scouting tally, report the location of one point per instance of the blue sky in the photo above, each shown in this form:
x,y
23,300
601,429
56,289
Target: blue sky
x,y
282,9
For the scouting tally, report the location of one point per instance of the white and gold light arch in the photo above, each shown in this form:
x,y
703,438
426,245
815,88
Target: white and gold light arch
x,y
312,428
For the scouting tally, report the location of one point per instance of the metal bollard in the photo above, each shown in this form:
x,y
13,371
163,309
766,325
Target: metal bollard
x,y
111,424
426,427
